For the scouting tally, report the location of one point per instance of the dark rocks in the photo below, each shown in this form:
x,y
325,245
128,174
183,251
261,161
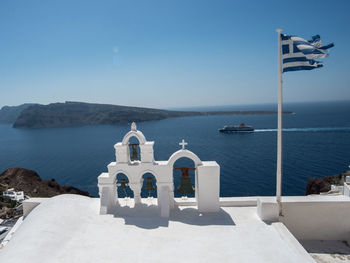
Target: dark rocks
x,y
30,182
321,185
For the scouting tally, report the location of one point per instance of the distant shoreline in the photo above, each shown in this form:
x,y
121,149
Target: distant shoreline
x,y
70,114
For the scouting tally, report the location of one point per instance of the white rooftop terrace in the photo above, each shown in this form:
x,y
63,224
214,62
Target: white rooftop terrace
x,y
69,228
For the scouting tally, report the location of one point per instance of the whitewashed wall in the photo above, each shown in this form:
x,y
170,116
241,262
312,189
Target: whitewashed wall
x,y
346,189
317,217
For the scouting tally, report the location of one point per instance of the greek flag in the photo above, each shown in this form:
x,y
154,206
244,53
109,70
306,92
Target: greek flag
x,y
300,54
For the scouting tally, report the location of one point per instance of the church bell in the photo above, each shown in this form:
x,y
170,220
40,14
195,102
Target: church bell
x,y
134,154
122,183
185,186
149,185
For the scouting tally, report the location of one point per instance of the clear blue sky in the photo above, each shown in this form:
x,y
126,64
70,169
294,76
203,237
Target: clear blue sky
x,y
166,53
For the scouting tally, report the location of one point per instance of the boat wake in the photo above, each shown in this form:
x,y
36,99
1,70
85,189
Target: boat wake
x,y
323,129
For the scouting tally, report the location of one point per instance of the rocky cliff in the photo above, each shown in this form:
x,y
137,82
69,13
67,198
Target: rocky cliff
x,y
79,113
9,114
322,185
30,182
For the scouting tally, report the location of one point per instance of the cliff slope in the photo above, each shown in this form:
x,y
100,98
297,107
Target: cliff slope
x,y
9,114
30,182
79,113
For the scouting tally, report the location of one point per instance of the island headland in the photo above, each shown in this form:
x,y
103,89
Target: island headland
x,y
9,114
80,113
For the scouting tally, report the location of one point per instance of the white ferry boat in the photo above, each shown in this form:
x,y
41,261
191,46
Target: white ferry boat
x,y
237,128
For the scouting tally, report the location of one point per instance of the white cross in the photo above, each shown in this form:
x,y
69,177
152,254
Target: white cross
x,y
183,144
133,126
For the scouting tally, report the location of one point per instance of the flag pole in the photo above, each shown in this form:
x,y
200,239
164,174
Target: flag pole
x,y
279,130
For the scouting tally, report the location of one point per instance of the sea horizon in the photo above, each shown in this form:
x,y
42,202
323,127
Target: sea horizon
x,y
199,107
255,106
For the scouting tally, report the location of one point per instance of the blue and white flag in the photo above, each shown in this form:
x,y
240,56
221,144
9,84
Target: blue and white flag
x,y
300,54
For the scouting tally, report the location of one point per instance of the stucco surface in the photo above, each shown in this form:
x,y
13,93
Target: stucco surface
x,y
68,228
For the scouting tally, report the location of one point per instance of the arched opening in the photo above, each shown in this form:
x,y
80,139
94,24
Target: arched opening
x,y
134,149
123,189
184,176
149,186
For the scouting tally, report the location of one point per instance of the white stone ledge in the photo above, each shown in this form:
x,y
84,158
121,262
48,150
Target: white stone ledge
x,y
238,201
315,198
185,202
252,200
224,201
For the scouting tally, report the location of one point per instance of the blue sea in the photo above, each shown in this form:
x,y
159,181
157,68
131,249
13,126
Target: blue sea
x,y
316,144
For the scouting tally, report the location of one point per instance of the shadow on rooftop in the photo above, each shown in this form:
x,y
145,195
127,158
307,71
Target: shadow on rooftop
x,y
327,247
148,216
141,215
192,216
